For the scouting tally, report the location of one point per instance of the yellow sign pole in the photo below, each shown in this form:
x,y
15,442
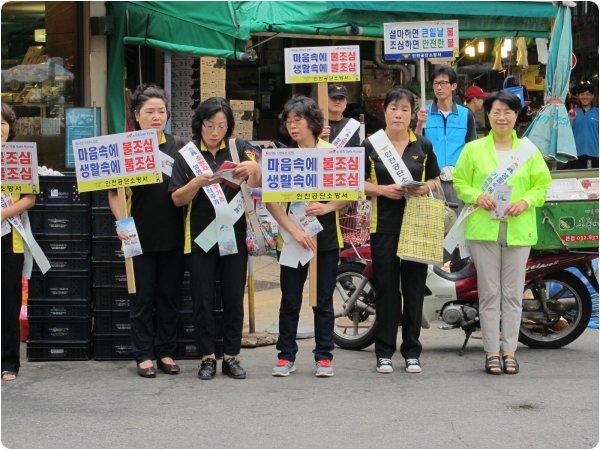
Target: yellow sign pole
x,y
128,261
323,100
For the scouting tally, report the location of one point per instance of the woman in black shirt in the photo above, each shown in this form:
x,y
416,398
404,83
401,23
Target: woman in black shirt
x,y
388,202
159,270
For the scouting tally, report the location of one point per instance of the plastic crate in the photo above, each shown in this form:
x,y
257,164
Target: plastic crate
x,y
56,221
100,199
186,330
103,223
572,223
60,263
112,347
187,350
107,250
112,322
111,299
39,309
58,351
59,285
64,245
109,274
186,303
61,190
60,329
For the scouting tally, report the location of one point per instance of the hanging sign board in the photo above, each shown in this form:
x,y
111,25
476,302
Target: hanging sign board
x,y
19,168
80,123
117,160
312,174
322,64
418,40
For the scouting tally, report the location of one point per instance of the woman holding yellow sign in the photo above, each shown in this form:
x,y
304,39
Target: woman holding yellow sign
x,y
159,223
396,161
215,231
501,231
303,121
12,265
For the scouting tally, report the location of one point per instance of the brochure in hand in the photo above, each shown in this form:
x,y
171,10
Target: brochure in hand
x,y
131,246
225,173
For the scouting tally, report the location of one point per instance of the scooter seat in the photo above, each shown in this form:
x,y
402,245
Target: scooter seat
x,y
465,272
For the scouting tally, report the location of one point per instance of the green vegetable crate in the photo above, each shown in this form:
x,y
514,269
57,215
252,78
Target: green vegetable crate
x,y
565,225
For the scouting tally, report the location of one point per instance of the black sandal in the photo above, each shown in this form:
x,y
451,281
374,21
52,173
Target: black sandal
x,y
492,365
511,366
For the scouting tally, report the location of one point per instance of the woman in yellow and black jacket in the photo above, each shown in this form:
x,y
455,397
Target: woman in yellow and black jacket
x,y
159,270
12,267
303,122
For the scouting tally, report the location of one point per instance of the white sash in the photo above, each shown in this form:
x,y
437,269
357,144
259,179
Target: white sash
x,y
346,134
390,158
32,250
221,229
518,157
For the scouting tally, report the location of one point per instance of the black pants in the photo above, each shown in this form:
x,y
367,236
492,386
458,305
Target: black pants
x,y
388,272
12,267
153,314
292,284
205,268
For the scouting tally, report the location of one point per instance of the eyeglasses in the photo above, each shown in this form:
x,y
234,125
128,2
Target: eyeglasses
x,y
295,121
508,113
441,83
211,127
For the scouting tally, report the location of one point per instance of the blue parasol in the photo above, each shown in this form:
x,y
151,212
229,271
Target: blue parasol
x,y
551,130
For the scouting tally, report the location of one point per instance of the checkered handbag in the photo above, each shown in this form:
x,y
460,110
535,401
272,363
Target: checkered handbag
x,y
422,232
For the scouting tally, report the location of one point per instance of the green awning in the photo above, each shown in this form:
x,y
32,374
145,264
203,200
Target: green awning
x,y
197,28
528,19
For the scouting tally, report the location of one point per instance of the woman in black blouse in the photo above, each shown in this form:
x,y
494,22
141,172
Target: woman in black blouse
x,y
388,202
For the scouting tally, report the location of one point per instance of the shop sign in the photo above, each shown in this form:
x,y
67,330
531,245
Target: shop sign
x,y
117,160
315,174
322,64
19,168
80,123
418,40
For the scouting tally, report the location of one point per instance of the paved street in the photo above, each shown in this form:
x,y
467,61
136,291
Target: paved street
x,y
552,403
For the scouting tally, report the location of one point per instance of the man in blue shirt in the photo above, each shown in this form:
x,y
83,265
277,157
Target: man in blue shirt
x,y
585,128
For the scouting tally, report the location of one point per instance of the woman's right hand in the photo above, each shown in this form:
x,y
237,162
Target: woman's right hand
x,y
202,180
304,239
422,116
121,235
325,133
393,191
486,202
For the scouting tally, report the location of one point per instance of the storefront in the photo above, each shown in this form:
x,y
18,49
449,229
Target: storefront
x,y
42,57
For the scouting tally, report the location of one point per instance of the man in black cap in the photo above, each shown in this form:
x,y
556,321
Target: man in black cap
x,y
338,101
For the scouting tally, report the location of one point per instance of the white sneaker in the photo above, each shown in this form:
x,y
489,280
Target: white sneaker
x,y
283,368
384,365
413,365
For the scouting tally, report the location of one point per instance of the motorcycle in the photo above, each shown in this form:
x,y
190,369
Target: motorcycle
x,y
556,304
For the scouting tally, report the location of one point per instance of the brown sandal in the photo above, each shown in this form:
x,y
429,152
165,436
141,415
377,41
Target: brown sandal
x,y
492,365
511,366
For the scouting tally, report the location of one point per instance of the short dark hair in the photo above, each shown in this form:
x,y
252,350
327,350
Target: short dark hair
x,y
510,100
584,86
142,94
399,94
9,115
207,109
304,107
444,70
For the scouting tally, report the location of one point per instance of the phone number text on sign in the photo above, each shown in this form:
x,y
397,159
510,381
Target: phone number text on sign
x,y
314,174
117,160
19,168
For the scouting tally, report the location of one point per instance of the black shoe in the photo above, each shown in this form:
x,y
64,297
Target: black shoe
x,y
208,369
231,368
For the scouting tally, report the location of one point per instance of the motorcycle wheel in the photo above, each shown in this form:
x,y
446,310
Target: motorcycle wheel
x,y
356,329
570,310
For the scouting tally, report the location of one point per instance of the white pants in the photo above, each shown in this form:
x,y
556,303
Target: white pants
x,y
500,281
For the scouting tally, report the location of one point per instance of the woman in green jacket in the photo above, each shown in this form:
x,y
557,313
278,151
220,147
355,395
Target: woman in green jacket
x,y
499,241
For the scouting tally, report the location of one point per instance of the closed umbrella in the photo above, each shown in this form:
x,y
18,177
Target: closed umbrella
x,y
551,130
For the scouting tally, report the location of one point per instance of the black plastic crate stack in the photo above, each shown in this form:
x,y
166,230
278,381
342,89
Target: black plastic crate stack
x,y
112,329
59,303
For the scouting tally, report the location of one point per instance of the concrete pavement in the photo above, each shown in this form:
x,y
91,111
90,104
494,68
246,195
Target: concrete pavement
x,y
552,403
